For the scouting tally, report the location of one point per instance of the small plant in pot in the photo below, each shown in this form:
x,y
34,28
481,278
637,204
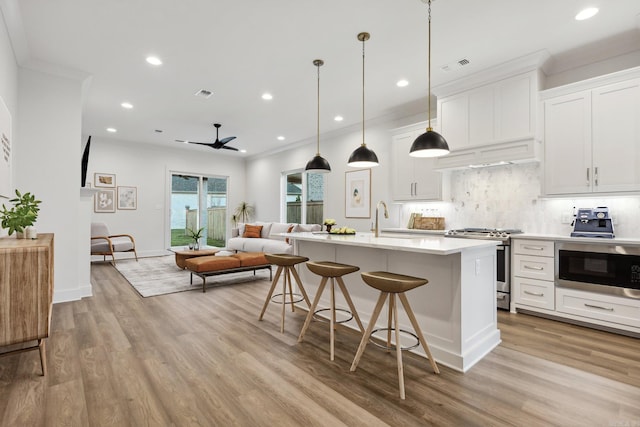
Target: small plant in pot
x,y
195,235
23,214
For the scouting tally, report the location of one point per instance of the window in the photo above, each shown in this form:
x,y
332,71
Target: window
x,y
198,202
303,195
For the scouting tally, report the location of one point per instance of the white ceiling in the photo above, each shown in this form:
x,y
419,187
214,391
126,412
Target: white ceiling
x,y
240,49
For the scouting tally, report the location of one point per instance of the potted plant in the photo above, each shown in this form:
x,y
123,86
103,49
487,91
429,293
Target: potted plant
x,y
23,214
195,235
244,212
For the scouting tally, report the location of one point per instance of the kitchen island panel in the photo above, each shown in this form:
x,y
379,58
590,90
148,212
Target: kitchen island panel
x,y
456,309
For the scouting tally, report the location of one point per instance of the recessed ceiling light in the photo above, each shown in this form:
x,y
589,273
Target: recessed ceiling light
x,y
181,140
402,83
243,151
158,131
154,60
586,13
338,118
267,96
281,138
127,105
112,130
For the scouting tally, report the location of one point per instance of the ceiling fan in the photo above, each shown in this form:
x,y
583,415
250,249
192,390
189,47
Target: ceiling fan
x,y
218,143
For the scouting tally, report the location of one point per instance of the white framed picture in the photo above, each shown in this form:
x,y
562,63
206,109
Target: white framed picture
x,y
127,198
107,180
357,194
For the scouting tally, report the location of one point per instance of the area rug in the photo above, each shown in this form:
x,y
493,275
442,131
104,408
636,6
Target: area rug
x,y
160,275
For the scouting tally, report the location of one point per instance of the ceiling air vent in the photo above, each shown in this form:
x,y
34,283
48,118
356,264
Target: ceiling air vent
x,y
203,93
455,65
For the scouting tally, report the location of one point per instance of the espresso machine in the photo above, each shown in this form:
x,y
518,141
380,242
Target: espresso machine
x,y
593,222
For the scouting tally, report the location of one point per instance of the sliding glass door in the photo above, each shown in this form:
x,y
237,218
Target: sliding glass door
x,y
303,195
198,202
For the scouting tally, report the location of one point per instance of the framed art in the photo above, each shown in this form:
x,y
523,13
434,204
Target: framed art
x,y
5,152
127,198
357,194
104,201
104,180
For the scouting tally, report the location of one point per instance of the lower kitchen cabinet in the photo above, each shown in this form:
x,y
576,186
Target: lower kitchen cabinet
x,y
533,273
534,290
534,293
609,308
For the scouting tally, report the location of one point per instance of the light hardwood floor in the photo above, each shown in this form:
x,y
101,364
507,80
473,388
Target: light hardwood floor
x,y
204,359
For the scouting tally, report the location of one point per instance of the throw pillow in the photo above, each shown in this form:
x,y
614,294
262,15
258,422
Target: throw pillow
x,y
289,230
252,231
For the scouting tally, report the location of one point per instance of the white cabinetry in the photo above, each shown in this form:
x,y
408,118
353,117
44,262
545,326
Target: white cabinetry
x,y
598,307
592,137
533,273
413,178
496,112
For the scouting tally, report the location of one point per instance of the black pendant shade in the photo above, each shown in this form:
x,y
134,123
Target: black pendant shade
x,y
318,164
363,157
429,144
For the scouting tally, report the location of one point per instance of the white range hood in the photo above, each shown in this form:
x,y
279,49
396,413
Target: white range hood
x,y
502,153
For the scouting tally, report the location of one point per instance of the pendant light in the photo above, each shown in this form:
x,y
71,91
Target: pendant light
x,y
318,164
363,157
430,143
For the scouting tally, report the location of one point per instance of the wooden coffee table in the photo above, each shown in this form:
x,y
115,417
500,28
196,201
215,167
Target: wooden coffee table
x,y
183,255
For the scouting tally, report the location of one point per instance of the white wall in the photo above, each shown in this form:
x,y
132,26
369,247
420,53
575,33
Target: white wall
x,y
8,82
147,167
47,163
263,174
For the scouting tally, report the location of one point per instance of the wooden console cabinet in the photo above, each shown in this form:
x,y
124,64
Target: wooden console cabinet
x,y
26,292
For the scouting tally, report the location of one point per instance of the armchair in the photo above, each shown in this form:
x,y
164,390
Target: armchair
x,y
103,243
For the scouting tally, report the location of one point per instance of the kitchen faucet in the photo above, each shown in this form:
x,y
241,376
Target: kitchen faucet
x,y
386,215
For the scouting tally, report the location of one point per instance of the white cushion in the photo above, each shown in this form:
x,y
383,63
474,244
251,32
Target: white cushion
x,y
266,229
277,228
300,228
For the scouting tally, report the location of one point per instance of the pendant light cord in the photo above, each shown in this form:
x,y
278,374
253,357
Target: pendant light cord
x,y
429,128
363,40
318,127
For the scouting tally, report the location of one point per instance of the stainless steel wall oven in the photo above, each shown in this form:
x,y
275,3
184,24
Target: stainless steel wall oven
x,y
605,268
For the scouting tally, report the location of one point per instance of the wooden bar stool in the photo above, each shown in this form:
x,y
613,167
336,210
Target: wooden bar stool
x,y
390,284
334,271
287,263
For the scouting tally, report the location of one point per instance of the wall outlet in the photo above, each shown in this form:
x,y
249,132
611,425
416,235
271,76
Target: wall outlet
x,y
567,218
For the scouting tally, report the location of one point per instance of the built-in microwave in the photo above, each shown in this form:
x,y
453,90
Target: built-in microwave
x,y
606,268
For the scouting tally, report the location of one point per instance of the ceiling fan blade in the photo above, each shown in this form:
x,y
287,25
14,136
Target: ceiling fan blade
x,y
229,148
227,139
208,144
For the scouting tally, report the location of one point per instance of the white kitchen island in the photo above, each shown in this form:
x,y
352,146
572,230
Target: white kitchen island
x,y
456,309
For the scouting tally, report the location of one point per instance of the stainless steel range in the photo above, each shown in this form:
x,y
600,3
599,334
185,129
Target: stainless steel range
x,y
503,270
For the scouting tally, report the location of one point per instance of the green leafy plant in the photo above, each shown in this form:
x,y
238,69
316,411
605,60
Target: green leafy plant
x,y
244,211
195,234
23,213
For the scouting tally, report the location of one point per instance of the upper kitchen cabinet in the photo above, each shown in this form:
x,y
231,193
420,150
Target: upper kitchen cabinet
x,y
490,117
413,178
592,135
499,112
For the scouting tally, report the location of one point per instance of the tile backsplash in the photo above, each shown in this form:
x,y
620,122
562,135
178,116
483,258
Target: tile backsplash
x,y
508,196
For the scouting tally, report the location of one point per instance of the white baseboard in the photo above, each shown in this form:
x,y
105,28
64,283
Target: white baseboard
x,y
65,295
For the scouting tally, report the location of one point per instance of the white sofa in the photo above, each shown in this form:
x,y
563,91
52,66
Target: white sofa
x,y
269,241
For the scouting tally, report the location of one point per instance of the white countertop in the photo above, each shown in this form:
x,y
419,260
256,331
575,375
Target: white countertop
x,y
586,240
436,245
